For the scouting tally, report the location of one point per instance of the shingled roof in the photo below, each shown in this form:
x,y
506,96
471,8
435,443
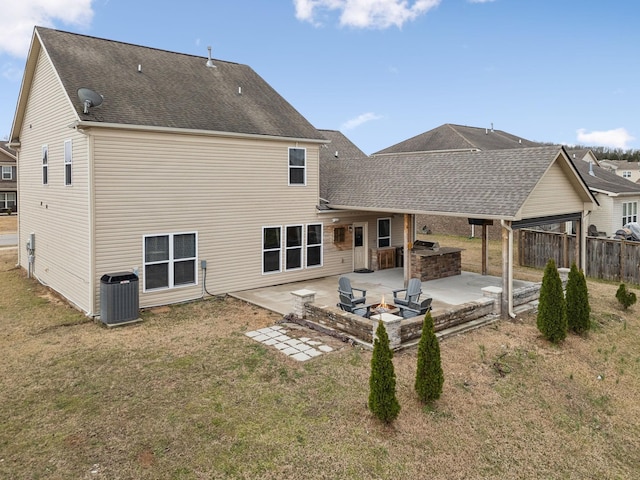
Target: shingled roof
x,y
169,89
8,154
600,179
458,137
492,184
339,148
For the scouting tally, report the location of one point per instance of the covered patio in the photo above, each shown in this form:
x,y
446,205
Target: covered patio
x,y
446,292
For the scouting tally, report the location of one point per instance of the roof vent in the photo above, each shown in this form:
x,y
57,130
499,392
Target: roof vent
x,y
336,154
591,169
210,62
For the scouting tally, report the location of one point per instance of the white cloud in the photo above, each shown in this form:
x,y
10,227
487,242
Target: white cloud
x,y
618,138
359,120
22,15
11,72
481,1
365,13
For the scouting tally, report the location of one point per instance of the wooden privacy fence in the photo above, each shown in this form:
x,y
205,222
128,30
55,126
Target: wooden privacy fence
x,y
608,259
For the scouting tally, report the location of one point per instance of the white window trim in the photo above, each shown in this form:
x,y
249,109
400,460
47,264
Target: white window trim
x,y
6,198
263,250
303,168
378,237
629,212
307,245
300,247
45,165
171,261
68,161
626,174
7,168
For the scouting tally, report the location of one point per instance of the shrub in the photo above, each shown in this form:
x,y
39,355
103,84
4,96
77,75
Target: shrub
x,y
552,315
429,376
625,297
577,300
382,383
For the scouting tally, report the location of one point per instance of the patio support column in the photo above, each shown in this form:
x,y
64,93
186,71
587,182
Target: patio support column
x,y
485,249
507,250
407,249
583,242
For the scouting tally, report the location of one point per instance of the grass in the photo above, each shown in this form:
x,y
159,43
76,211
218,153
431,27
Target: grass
x,y
185,395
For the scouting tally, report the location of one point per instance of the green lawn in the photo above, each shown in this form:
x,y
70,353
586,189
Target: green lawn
x,y
186,395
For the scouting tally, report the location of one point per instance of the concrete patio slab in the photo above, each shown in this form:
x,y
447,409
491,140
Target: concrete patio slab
x,y
446,292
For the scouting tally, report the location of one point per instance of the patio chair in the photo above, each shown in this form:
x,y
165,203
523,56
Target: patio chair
x,y
411,293
348,305
415,309
345,288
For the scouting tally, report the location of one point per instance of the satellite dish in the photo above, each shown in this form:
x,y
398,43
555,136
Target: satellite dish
x,y
89,98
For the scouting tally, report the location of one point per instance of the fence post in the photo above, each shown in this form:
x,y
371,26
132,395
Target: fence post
x,y
623,245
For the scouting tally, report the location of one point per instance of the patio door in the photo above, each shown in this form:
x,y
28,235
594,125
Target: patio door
x,y
360,246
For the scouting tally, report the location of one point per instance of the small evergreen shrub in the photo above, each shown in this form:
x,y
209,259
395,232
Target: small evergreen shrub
x,y
577,300
625,297
383,402
552,315
429,376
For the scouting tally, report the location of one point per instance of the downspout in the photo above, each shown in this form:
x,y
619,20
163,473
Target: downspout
x,y
507,226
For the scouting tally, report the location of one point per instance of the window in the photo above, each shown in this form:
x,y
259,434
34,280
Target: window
x,y
384,232
297,166
169,260
7,200
271,248
67,161
629,212
339,234
626,174
314,245
293,252
7,172
45,164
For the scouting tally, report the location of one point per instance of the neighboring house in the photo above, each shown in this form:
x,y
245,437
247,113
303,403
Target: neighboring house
x,y
623,168
457,138
451,137
8,180
617,196
204,180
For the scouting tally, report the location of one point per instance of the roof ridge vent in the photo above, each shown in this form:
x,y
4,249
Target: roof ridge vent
x,y
209,63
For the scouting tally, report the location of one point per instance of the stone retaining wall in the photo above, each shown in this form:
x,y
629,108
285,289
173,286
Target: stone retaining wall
x,y
361,330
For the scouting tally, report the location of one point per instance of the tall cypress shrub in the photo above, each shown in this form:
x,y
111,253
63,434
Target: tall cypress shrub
x,y
577,298
552,315
429,376
382,383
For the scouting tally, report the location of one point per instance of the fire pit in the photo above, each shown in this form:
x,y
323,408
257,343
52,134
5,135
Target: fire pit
x,y
383,307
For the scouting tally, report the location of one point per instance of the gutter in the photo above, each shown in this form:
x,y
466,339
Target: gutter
x,y
83,124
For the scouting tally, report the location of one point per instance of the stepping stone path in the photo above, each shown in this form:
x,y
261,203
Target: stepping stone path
x,y
300,349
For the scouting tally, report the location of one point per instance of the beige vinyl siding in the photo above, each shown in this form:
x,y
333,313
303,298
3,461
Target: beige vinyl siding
x,y
603,216
224,189
553,195
57,214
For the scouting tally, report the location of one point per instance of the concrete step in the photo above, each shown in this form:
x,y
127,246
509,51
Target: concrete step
x,y
467,326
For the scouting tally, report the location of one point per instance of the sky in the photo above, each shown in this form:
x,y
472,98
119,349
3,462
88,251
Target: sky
x,y
383,71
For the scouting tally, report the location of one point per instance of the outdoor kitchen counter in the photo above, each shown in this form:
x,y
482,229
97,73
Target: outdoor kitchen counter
x,y
427,264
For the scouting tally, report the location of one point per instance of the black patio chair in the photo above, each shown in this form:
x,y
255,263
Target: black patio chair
x,y
345,288
348,305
